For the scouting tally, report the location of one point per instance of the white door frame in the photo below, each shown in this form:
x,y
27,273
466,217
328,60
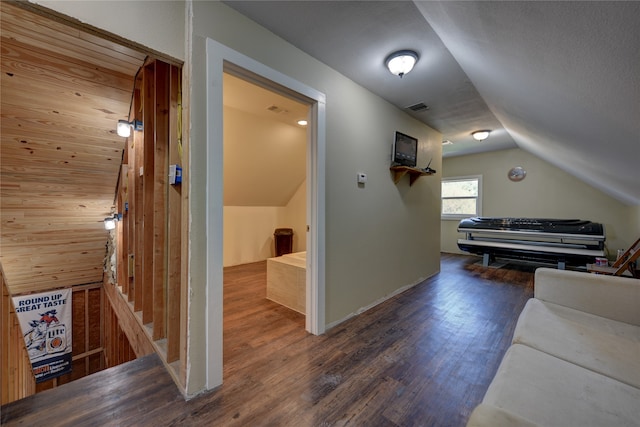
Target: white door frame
x,y
216,57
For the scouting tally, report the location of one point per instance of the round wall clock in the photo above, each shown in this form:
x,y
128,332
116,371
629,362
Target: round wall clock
x,y
517,174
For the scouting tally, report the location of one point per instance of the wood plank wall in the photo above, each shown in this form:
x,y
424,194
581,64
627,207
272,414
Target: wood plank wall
x,y
88,335
88,352
15,369
125,339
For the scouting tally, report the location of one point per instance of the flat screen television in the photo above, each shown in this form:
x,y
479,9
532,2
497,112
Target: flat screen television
x,y
405,150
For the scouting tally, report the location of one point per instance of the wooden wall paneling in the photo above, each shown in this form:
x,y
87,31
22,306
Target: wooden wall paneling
x,y
128,321
87,331
109,334
149,193
87,335
121,339
38,63
95,335
174,244
62,105
78,331
96,362
6,371
37,31
15,369
160,184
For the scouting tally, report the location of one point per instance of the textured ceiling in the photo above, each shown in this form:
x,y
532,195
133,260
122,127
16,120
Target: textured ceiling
x,y
562,77
559,79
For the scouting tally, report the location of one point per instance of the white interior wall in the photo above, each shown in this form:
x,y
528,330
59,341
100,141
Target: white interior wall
x,y
248,230
248,233
546,192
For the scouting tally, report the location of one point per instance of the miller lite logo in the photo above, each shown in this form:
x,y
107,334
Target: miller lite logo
x,y
56,339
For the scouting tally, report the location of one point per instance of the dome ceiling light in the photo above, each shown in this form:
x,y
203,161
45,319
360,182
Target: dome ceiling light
x,y
401,62
480,135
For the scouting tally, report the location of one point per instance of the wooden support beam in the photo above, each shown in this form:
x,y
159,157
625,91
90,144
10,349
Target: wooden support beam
x,y
160,178
138,211
148,190
174,245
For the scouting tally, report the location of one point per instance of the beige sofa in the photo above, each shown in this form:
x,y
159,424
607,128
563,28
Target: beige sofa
x,y
575,357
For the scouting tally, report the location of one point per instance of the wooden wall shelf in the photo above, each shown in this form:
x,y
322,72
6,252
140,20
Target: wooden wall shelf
x,y
414,173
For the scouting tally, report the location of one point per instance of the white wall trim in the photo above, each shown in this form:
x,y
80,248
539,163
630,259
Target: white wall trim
x,y
216,56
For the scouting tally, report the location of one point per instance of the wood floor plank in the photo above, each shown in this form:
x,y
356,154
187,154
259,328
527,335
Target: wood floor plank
x,y
423,358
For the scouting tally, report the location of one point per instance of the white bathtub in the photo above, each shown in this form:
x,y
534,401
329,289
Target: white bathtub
x,y
287,280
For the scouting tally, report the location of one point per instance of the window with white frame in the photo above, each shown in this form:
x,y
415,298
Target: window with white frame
x,y
461,197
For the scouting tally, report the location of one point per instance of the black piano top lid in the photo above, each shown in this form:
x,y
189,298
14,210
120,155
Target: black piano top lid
x,y
546,225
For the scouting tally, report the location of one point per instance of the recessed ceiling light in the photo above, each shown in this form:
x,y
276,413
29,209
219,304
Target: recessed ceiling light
x,y
481,135
302,122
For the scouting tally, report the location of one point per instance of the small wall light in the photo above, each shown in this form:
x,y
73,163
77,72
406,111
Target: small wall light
x,y
302,122
110,222
481,135
401,62
124,127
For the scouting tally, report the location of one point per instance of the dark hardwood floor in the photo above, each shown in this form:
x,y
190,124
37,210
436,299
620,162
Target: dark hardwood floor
x,y
422,358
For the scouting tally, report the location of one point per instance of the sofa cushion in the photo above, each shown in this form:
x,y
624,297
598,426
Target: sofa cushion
x,y
552,392
605,346
490,416
613,297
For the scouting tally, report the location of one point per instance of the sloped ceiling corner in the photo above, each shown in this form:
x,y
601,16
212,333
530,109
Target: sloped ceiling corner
x,y
561,77
264,149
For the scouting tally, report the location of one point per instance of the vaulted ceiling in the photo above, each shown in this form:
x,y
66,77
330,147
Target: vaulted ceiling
x,y
558,79
63,91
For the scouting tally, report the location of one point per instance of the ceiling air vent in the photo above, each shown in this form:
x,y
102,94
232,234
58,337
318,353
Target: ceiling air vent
x,y
276,109
418,107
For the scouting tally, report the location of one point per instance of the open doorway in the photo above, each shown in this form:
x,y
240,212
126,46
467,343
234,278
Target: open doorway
x,y
264,218
265,149
221,59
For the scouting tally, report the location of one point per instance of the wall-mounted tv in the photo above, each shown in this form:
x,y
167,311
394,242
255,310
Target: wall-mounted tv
x,y
405,150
